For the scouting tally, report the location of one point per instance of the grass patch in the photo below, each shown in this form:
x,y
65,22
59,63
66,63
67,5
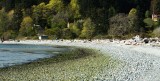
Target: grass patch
x,y
77,64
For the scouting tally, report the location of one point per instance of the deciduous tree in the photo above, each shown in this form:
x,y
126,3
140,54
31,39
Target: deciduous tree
x,y
88,29
27,27
120,25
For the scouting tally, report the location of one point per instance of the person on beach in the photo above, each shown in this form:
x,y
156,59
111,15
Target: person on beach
x,y
137,38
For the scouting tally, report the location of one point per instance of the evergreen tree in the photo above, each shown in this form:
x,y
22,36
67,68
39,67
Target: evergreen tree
x,y
9,4
4,20
157,6
74,6
17,19
111,12
142,7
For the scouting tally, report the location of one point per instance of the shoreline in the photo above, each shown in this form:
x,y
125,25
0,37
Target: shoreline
x,y
78,64
138,62
154,49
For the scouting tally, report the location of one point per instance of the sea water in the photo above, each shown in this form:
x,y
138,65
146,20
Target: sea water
x,y
13,54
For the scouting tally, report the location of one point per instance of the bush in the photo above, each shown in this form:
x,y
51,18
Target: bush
x,y
156,32
149,22
54,32
9,35
58,20
67,34
76,28
121,25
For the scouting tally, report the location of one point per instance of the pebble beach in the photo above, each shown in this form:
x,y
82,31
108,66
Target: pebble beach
x,y
136,62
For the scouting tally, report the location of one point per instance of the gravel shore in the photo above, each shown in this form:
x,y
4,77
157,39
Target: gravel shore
x,y
138,63
76,64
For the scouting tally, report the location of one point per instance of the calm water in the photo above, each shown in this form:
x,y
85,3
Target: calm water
x,y
12,54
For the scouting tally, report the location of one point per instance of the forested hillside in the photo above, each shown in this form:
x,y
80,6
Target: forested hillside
x,y
71,19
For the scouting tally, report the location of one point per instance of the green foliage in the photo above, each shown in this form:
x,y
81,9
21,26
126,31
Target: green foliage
x,y
27,12
9,4
74,6
38,12
147,14
17,19
54,32
4,20
67,33
133,12
112,12
55,14
76,28
56,5
156,32
133,19
120,25
59,20
27,27
88,29
24,4
40,16
157,5
149,22
10,34
142,7
156,24
10,15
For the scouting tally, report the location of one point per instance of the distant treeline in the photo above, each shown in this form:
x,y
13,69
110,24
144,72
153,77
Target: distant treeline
x,y
71,19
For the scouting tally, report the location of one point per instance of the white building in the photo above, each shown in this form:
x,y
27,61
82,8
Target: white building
x,y
43,37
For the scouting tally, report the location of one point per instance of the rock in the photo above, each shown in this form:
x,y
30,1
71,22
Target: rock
x,y
146,40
